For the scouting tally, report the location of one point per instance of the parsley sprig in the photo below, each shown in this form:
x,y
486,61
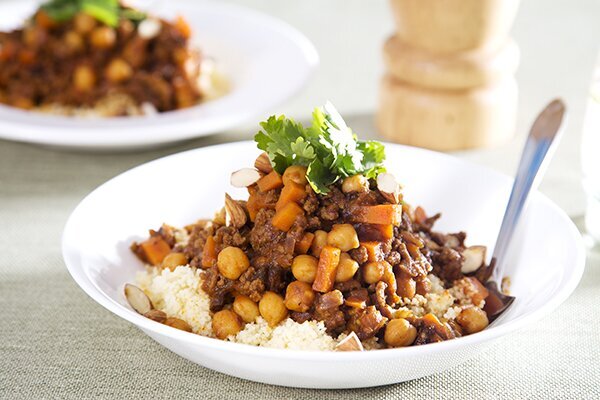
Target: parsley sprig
x,y
328,148
106,11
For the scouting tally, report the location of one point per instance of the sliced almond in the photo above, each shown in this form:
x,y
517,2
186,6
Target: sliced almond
x,y
149,28
388,187
244,177
473,258
137,299
156,315
178,324
350,343
235,215
263,164
220,217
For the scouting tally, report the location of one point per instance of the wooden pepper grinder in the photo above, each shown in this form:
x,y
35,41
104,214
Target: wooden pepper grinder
x,y
450,80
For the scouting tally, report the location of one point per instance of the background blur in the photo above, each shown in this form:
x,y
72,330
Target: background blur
x,y
558,41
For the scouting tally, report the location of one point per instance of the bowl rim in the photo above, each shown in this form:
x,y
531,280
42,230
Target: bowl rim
x,y
495,331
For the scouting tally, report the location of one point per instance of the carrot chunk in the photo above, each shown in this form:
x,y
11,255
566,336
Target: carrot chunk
x,y
374,232
292,192
383,214
155,249
209,253
304,244
474,289
284,217
373,250
326,269
270,181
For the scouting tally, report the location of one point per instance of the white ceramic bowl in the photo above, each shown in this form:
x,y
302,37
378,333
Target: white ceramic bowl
x,y
546,261
265,60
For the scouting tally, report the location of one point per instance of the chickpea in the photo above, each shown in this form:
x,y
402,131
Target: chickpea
x,y
346,268
295,173
343,236
118,70
319,241
356,183
406,286
472,320
304,268
178,324
373,271
174,260
299,296
272,308
83,23
103,37
84,78
226,323
232,262
245,308
399,333
73,41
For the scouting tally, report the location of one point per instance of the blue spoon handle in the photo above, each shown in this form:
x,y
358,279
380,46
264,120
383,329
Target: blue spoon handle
x,y
531,168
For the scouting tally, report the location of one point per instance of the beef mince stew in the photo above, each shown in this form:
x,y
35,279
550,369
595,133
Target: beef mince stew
x,y
111,58
324,238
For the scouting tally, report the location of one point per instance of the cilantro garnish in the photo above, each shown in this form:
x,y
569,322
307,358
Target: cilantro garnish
x,y
328,148
106,11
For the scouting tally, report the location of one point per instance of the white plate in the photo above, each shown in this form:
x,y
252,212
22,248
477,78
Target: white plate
x,y
265,60
546,262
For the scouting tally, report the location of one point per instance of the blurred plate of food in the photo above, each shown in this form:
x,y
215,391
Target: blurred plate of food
x,y
96,74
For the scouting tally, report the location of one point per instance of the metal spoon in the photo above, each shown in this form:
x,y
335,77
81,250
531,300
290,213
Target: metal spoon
x,y
531,168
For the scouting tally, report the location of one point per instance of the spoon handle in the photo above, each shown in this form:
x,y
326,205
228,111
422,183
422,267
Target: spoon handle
x,y
545,129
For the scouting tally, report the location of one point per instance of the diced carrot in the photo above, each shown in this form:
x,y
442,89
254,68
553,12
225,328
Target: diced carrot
x,y
373,250
304,244
256,201
374,232
292,192
383,214
284,217
475,290
43,20
326,269
209,253
270,181
155,249
26,56
183,27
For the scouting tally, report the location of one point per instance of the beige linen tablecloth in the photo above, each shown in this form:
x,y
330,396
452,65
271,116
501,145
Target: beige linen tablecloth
x,y
55,342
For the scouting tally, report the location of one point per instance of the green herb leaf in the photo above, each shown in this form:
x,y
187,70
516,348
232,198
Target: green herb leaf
x,y
328,148
106,11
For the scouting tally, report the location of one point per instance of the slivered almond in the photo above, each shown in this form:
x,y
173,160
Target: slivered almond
x,y
235,215
137,299
156,315
473,258
149,28
244,177
350,343
263,164
178,324
388,187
